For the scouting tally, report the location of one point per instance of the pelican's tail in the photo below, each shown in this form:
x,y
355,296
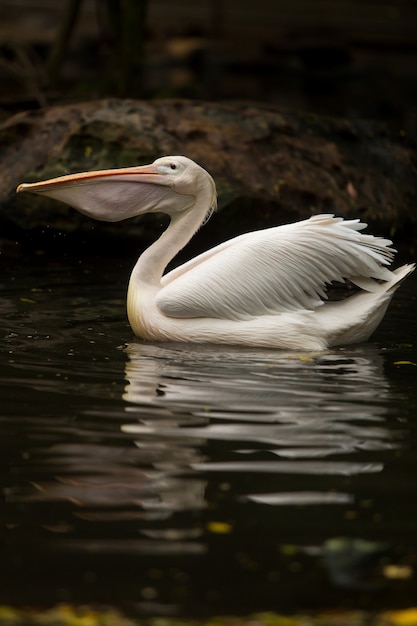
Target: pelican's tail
x,y
399,275
353,320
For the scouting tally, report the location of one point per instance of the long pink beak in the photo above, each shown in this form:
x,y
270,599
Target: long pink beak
x,y
109,195
121,174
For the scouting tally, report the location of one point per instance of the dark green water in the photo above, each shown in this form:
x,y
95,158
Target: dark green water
x,y
181,479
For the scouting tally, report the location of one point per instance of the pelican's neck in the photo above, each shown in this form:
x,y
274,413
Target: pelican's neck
x,y
152,263
145,280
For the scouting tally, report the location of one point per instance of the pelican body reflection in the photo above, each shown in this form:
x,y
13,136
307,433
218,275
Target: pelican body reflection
x,y
279,414
291,406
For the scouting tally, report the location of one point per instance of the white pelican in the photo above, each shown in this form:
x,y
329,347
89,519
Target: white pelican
x,y
264,288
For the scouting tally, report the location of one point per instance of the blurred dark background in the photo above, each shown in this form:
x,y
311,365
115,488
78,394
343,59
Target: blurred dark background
x,y
349,58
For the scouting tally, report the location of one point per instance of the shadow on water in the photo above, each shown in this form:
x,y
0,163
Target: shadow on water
x,y
199,479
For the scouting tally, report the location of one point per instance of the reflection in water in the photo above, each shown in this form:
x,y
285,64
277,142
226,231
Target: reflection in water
x,y
277,416
355,563
200,411
208,443
307,410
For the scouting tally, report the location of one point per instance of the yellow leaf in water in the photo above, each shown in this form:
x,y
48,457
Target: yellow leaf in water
x,y
219,528
289,550
9,615
408,617
28,300
399,572
404,363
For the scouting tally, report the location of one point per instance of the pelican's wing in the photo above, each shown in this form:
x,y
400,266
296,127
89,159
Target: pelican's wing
x,y
275,270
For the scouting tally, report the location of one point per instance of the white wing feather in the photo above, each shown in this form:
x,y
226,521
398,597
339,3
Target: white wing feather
x,y
275,270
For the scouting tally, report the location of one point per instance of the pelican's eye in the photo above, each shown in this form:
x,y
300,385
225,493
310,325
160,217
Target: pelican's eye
x,y
169,167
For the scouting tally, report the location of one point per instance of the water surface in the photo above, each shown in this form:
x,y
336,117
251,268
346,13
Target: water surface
x,y
183,479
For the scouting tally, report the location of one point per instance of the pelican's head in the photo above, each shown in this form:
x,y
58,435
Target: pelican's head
x,y
169,185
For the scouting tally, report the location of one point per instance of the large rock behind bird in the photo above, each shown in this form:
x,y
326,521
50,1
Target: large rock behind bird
x,y
270,165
